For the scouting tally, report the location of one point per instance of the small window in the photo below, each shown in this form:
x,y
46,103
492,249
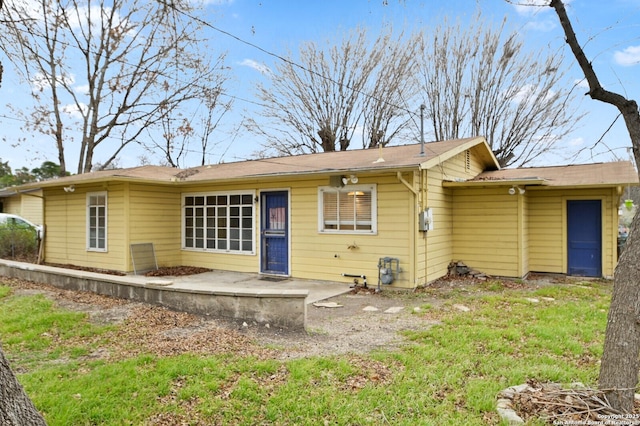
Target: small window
x,y
97,221
347,210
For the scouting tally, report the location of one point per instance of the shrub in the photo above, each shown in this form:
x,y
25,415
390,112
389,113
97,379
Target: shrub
x,y
17,243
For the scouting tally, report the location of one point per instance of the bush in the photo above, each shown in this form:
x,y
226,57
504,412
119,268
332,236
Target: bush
x,y
18,243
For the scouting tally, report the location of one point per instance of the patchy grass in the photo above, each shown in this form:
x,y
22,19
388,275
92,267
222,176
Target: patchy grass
x,y
448,374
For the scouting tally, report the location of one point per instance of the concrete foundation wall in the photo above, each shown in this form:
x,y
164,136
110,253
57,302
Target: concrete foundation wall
x,y
282,308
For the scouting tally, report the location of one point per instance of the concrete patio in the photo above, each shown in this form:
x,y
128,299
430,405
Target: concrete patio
x,y
247,297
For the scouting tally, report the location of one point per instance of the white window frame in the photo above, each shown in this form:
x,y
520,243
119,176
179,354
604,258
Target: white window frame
x,y
346,190
229,229
93,212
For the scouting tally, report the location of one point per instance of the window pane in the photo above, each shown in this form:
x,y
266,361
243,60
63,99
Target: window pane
x,y
348,209
219,222
96,230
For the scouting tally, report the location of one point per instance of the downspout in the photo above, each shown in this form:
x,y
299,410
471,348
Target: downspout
x,y
423,205
413,224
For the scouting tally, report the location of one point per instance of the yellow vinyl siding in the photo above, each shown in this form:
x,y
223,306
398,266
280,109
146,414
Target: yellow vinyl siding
x,y
439,241
28,205
66,237
12,205
548,228
547,252
155,217
327,256
485,232
523,238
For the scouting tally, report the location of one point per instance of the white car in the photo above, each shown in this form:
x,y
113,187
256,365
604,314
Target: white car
x,y
21,222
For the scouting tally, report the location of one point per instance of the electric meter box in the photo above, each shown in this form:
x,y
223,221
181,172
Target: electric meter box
x,y
425,220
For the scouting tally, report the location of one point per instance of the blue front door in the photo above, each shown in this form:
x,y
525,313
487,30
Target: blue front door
x,y
274,214
584,237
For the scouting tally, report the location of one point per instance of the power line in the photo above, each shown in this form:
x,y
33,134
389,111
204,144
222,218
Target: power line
x,y
282,58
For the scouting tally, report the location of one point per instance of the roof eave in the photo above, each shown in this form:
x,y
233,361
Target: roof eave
x,y
495,182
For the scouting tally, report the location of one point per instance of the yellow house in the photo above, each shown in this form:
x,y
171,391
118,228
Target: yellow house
x,y
394,216
26,203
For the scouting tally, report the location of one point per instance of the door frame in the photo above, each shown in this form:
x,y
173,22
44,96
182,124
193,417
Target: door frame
x,y
261,242
566,241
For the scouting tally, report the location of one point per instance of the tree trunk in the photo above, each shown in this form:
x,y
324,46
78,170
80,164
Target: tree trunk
x,y
16,409
619,365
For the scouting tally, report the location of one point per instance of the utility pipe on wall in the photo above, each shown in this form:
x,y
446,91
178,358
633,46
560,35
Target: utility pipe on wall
x,y
364,277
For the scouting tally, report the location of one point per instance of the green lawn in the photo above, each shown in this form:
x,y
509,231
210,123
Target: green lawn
x,y
446,375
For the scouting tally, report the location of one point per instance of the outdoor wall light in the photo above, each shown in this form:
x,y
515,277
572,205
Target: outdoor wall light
x,y
70,188
353,179
513,189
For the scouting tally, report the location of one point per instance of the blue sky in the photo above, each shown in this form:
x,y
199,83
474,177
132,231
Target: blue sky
x,y
612,30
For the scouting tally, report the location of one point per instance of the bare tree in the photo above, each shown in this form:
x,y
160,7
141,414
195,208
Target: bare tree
x,y
356,85
619,364
182,129
479,81
102,67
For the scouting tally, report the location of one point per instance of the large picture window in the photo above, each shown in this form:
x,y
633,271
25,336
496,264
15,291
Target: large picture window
x,y
97,221
350,209
220,222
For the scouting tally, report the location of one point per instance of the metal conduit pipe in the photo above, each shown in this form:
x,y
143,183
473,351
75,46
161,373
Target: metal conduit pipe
x,y
355,282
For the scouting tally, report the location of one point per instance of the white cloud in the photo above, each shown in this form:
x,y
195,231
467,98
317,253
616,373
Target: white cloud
x,y
75,111
530,7
261,68
28,8
82,89
628,57
533,7
40,82
545,25
579,141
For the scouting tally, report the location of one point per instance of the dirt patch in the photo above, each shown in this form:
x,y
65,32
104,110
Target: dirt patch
x,y
364,321
361,321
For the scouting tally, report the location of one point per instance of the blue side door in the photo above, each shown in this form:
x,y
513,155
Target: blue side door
x,y
584,237
274,232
